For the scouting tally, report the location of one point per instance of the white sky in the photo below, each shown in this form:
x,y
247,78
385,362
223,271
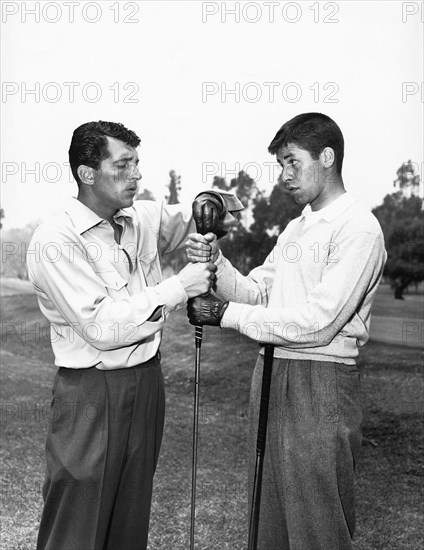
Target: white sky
x,y
368,55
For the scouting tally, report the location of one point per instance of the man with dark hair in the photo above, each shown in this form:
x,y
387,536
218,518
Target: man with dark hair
x,y
312,132
89,145
312,299
97,274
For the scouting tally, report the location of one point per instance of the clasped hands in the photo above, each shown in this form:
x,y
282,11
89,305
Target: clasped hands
x,y
202,251
205,309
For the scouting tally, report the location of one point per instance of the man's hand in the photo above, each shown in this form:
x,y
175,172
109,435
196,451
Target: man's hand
x,y
202,248
208,212
206,310
197,278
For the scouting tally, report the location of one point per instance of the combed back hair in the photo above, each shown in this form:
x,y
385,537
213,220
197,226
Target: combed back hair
x,y
89,145
312,132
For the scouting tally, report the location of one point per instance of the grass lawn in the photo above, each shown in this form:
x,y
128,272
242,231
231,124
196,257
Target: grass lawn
x,y
390,472
385,305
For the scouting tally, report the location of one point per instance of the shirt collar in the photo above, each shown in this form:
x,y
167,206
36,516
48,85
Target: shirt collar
x,y
332,210
84,218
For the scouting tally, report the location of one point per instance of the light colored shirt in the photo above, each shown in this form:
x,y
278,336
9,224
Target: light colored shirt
x,y
107,302
312,296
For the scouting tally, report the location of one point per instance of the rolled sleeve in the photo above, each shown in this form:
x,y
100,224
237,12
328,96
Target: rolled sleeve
x,y
171,293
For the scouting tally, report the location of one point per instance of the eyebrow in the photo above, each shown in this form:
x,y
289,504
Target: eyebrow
x,y
120,159
289,155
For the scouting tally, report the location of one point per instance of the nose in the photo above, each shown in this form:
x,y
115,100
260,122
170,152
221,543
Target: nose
x,y
287,174
135,172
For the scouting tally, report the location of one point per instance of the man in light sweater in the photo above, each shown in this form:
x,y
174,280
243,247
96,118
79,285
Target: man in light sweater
x,y
312,299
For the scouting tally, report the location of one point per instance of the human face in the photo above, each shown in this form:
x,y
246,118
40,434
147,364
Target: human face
x,y
303,176
115,182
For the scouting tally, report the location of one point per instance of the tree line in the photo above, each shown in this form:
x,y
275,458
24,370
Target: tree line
x,y
250,240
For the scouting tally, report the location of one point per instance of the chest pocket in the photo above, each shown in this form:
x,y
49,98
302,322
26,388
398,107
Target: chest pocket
x,y
114,283
150,265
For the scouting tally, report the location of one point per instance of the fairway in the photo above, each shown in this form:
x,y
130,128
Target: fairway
x,y
389,484
397,321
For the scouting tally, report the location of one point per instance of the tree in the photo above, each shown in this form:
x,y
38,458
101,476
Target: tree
x,y
15,244
248,243
177,259
270,217
405,247
145,195
174,187
401,218
272,214
220,183
407,179
246,190
244,187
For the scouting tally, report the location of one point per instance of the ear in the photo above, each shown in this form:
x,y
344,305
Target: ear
x,y
86,174
328,157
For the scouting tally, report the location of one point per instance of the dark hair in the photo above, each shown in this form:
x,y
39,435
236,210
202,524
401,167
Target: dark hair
x,y
89,143
312,132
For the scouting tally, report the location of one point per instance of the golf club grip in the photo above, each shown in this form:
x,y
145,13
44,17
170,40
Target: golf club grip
x,y
198,335
265,391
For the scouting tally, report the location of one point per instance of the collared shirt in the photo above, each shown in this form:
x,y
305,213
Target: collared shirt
x,y
312,296
107,302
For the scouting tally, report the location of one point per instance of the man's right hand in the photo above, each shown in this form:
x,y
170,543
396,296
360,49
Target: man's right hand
x,y
198,278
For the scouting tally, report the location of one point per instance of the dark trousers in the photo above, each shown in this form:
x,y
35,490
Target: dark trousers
x,y
102,447
313,439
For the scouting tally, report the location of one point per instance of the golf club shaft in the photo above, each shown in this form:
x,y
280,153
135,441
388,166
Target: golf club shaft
x,y
198,334
260,447
256,503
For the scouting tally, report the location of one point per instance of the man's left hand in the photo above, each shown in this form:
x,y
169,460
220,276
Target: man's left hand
x,y
206,310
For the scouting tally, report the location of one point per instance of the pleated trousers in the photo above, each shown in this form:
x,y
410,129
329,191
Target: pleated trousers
x,y
313,440
104,435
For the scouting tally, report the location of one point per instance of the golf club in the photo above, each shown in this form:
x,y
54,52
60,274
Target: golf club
x,y
260,447
198,334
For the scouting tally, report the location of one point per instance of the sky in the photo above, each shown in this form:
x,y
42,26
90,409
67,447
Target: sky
x,y
206,85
